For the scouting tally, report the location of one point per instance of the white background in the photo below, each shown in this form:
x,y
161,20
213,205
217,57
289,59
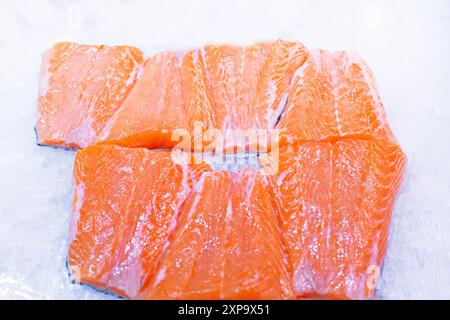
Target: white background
x,y
405,42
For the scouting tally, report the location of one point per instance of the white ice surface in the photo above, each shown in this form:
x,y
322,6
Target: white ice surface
x,y
406,44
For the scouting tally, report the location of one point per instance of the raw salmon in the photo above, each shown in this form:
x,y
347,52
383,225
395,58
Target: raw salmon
x,y
249,87
312,222
333,95
100,94
80,89
126,203
219,87
144,227
227,245
170,95
339,171
154,107
335,201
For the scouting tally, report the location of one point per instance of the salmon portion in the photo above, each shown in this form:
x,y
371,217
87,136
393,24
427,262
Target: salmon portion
x,y
335,202
334,95
80,88
125,205
227,245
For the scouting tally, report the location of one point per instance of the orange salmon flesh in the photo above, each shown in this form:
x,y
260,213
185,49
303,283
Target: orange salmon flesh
x,y
153,219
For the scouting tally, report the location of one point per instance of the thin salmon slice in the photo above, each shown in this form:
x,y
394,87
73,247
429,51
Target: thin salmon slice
x,y
227,245
80,88
126,203
334,95
335,202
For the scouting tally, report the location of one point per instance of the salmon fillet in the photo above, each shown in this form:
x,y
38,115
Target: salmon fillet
x,y
335,201
126,203
80,89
